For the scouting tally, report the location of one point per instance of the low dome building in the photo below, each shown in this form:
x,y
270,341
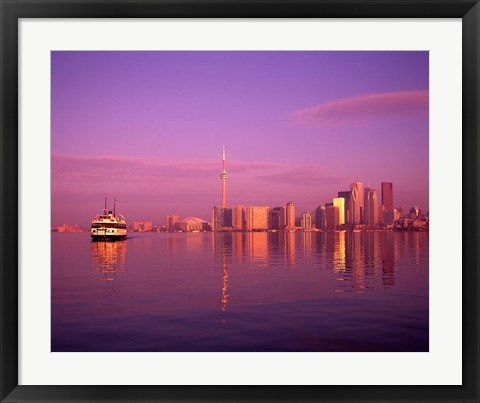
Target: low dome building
x,y
190,224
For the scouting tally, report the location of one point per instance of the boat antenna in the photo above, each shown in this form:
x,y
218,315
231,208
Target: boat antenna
x,y
105,210
114,201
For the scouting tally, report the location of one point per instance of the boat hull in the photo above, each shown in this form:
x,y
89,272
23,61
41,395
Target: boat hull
x,y
96,238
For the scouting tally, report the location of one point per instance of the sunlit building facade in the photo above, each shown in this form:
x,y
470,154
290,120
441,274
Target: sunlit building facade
x,y
290,215
142,226
258,218
239,218
340,203
306,221
346,195
190,224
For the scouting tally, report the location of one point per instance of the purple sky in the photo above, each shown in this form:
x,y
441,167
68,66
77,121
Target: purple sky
x,y
148,128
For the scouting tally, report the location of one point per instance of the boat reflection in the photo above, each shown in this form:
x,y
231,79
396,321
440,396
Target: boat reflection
x,y
108,258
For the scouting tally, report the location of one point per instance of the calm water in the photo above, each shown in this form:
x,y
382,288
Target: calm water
x,y
241,292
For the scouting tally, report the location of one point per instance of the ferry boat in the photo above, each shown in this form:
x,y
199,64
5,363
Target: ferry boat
x,y
108,225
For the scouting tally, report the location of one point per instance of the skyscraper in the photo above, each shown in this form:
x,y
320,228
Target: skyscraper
x,y
387,201
223,176
278,218
356,202
340,203
371,207
306,221
346,195
387,195
320,217
258,218
332,217
290,210
238,218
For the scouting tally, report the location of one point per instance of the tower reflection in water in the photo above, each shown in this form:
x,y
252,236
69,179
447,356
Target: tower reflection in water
x,y
222,248
108,258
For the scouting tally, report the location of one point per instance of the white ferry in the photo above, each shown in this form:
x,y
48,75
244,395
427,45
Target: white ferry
x,y
108,225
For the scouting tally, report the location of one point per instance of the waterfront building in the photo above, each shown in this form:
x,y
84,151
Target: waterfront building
x,y
190,224
371,207
387,195
320,217
278,218
387,201
306,221
221,218
340,203
346,195
171,221
356,203
258,218
290,215
142,226
238,218
332,217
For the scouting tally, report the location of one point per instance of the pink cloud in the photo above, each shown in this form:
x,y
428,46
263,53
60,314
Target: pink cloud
x,y
358,109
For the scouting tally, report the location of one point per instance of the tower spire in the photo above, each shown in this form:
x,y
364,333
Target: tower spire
x,y
223,176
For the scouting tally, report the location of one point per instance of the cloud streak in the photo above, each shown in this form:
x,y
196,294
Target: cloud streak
x,y
363,108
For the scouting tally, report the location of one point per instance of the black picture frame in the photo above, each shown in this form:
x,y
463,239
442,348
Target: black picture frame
x,y
13,10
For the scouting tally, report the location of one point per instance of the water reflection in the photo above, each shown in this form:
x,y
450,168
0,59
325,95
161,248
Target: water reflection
x,y
108,258
222,248
361,260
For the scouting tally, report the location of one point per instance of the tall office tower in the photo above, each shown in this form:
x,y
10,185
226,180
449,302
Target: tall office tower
x,y
332,217
346,195
223,176
258,218
306,221
290,215
356,202
371,207
217,218
278,218
170,221
320,217
387,195
238,218
340,203
387,201
221,219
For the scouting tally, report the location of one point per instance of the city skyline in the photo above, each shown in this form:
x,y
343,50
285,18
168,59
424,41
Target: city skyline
x,y
306,146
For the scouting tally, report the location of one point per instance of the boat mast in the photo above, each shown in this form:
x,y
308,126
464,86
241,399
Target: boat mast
x,y
114,201
105,210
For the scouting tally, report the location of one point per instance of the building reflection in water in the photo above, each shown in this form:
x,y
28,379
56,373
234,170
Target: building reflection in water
x,y
108,258
257,247
361,260
339,254
290,249
389,252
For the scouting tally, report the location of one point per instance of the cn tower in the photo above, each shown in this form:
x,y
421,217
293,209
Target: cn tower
x,y
223,176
